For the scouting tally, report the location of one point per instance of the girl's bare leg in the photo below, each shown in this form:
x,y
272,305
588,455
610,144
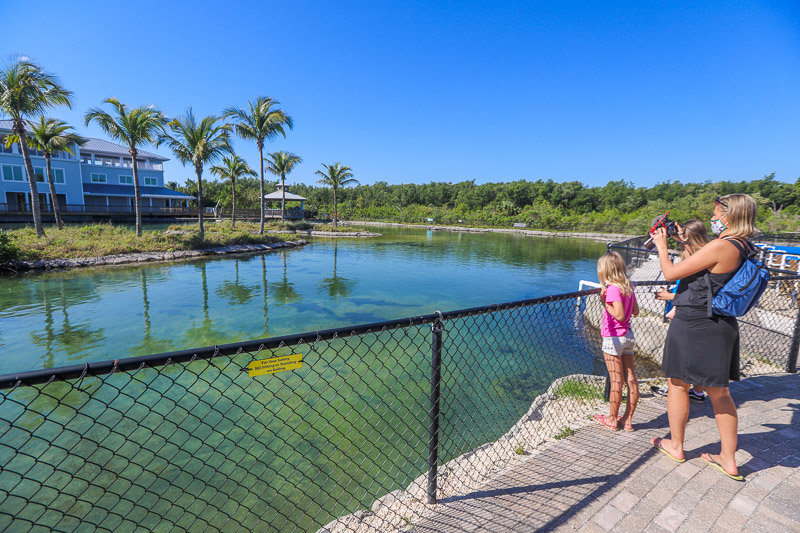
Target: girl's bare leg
x,y
633,389
614,366
728,426
678,413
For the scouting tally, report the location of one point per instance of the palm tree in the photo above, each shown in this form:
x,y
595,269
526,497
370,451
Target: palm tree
x,y
50,135
336,176
198,143
233,167
26,91
134,127
280,164
262,121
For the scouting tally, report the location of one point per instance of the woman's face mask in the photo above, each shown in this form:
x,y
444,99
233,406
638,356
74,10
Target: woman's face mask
x,y
717,226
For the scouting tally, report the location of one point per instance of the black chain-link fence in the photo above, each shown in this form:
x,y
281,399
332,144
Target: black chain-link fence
x,y
358,429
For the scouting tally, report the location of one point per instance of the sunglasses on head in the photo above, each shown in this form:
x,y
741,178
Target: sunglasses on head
x,y
717,200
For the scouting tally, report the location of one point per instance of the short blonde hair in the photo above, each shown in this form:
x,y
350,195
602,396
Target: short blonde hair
x,y
742,211
611,271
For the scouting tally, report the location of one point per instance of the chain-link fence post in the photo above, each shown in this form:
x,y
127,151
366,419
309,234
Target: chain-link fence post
x,y
433,428
791,364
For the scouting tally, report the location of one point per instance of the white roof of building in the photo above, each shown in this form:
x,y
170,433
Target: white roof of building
x,y
99,146
278,195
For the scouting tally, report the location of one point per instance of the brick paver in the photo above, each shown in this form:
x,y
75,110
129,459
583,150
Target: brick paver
x,y
577,485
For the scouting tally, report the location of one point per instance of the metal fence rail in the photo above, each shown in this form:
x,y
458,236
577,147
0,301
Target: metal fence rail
x,y
378,422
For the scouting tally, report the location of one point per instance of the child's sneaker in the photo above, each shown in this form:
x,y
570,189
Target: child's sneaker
x,y
659,391
697,396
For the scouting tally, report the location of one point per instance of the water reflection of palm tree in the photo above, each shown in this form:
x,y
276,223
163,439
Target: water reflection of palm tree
x,y
235,292
283,290
72,339
337,286
46,340
149,344
204,334
264,294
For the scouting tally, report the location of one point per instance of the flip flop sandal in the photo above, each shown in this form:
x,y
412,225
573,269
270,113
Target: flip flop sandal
x,y
624,428
719,467
600,419
656,442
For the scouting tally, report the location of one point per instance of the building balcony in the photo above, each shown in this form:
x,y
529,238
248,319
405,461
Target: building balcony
x,y
116,163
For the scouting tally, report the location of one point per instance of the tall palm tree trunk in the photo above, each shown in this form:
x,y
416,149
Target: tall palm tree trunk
x,y
19,129
53,198
261,158
283,200
199,171
335,210
137,195
233,200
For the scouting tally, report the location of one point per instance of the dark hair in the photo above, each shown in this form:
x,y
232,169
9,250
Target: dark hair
x,y
695,234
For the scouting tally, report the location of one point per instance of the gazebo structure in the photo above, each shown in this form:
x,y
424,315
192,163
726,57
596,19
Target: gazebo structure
x,y
291,213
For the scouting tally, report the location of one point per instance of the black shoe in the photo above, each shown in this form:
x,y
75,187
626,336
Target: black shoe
x,y
659,391
697,397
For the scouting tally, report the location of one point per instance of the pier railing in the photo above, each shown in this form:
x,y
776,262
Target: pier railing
x,y
359,428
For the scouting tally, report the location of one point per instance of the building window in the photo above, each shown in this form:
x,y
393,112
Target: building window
x,y
39,173
126,180
3,149
58,176
12,173
98,178
151,181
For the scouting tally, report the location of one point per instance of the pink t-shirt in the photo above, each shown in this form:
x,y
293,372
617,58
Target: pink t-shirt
x,y
611,326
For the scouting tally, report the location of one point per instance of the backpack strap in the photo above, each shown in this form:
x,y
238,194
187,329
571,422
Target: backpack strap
x,y
746,250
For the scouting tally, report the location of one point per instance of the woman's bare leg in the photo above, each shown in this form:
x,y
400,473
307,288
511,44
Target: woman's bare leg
x,y
728,426
678,413
633,389
614,366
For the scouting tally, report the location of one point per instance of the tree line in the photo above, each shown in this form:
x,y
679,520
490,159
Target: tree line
x,y
618,206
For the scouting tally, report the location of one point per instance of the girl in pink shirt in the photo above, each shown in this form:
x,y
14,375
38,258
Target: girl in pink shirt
x,y
619,304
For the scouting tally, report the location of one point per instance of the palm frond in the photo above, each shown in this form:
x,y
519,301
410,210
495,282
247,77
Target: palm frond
x,y
27,90
134,127
336,175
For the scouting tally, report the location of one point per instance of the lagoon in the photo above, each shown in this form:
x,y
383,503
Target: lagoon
x,y
59,318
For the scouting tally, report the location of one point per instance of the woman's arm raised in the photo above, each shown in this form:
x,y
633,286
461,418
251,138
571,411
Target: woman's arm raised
x,y
717,256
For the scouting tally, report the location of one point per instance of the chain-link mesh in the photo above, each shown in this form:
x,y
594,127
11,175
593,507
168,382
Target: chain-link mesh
x,y
185,442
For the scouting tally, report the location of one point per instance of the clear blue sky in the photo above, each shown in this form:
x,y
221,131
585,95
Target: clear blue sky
x,y
415,91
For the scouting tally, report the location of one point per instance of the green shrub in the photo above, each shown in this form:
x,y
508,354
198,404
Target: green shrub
x,y
8,249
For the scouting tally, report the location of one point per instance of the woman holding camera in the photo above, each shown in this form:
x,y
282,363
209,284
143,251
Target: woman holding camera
x,y
699,349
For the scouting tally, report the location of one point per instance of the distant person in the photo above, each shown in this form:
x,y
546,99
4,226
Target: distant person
x,y
691,237
700,349
619,304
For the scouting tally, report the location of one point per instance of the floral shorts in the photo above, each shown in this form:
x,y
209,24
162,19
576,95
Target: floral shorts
x,y
619,345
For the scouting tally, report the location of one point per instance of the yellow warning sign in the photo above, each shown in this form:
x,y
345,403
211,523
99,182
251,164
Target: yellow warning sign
x,y
276,364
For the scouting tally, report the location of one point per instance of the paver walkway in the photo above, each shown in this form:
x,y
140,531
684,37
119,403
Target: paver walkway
x,y
597,481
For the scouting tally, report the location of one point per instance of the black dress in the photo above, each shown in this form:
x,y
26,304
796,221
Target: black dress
x,y
700,350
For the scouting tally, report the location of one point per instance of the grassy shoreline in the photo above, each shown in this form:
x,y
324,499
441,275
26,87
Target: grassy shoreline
x,y
98,240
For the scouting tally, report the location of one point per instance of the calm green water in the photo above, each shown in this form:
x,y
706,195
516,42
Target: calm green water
x,y
55,319
203,446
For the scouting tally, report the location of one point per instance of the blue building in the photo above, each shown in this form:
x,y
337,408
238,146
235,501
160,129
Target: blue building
x,y
97,179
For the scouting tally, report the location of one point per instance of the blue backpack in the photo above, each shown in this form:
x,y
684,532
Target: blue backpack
x,y
742,291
